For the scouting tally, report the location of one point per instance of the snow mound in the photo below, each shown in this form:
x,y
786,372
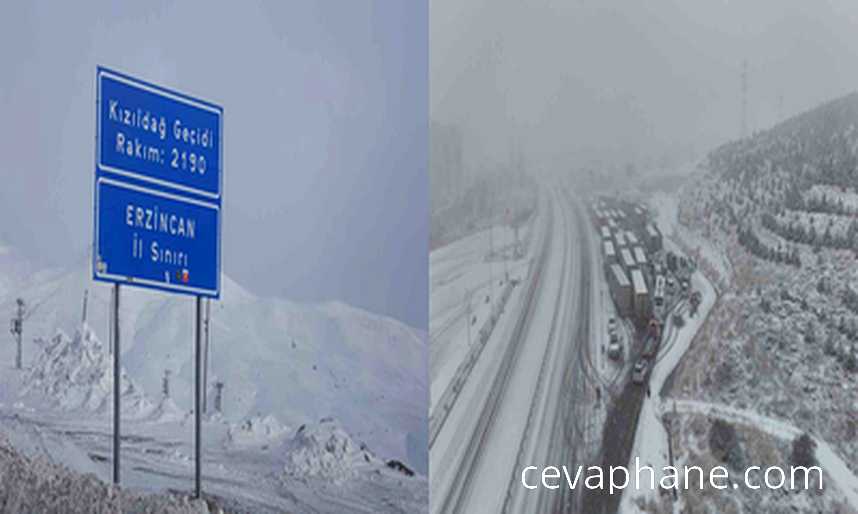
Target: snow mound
x,y
325,450
77,373
255,431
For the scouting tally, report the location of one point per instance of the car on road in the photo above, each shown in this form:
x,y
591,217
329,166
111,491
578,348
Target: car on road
x,y
612,325
639,373
615,349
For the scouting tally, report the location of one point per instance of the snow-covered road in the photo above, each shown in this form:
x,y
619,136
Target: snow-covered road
x,y
514,409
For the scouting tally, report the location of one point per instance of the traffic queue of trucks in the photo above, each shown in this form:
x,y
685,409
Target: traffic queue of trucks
x,y
629,274
639,283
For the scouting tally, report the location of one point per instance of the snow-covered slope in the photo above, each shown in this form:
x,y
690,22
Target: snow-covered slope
x,y
299,362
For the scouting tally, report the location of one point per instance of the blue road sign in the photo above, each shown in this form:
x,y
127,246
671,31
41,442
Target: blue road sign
x,y
158,179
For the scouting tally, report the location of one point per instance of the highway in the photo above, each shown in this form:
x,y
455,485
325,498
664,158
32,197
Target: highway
x,y
540,390
533,396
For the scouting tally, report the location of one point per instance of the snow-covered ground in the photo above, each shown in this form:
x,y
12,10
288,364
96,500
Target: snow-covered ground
x,y
356,381
773,360
835,469
467,276
41,485
499,451
450,446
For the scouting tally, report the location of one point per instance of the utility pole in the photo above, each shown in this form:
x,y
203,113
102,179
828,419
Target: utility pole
x,y
219,396
505,265
491,251
518,251
468,314
17,329
83,316
165,385
744,98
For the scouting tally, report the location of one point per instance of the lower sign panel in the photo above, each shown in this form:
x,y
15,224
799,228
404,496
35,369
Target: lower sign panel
x,y
154,239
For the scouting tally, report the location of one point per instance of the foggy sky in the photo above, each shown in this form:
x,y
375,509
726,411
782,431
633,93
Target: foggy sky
x,y
325,188
593,82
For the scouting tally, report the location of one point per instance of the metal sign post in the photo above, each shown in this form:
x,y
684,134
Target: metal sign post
x,y
116,384
157,220
198,353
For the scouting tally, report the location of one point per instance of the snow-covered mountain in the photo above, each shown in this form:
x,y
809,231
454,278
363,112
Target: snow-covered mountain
x,y
298,362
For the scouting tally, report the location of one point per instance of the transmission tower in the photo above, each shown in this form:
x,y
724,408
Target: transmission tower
x,y
218,404
165,384
17,329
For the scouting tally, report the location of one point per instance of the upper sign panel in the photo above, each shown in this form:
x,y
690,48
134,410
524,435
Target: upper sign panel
x,y
159,137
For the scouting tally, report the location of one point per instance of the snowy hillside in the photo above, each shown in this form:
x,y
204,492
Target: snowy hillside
x,y
298,362
782,342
